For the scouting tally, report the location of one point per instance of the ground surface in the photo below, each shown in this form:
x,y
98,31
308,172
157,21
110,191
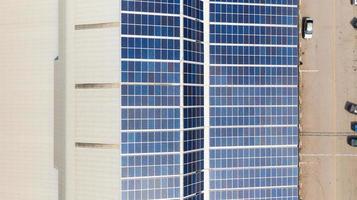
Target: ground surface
x,y
328,165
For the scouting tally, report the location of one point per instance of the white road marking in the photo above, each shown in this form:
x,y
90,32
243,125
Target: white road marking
x,y
308,70
328,155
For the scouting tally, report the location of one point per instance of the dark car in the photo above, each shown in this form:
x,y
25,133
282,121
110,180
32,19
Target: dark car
x,y
354,126
351,107
354,22
352,140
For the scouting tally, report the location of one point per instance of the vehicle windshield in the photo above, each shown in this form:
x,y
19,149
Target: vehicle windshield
x,y
354,142
309,26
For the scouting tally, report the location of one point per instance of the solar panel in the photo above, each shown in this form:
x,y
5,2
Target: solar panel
x,y
150,94
252,91
253,99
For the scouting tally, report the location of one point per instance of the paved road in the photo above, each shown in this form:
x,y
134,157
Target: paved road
x,y
328,164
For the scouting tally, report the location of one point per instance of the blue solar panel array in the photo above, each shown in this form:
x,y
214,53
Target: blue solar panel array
x,y
150,72
253,99
193,95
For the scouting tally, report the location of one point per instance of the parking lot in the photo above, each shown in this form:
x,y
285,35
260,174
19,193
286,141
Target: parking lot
x,y
328,78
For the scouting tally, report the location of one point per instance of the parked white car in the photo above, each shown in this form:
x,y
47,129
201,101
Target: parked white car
x,y
307,28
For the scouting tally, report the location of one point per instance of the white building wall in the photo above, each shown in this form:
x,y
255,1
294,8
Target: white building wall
x,y
96,174
96,55
90,55
28,47
94,11
97,116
